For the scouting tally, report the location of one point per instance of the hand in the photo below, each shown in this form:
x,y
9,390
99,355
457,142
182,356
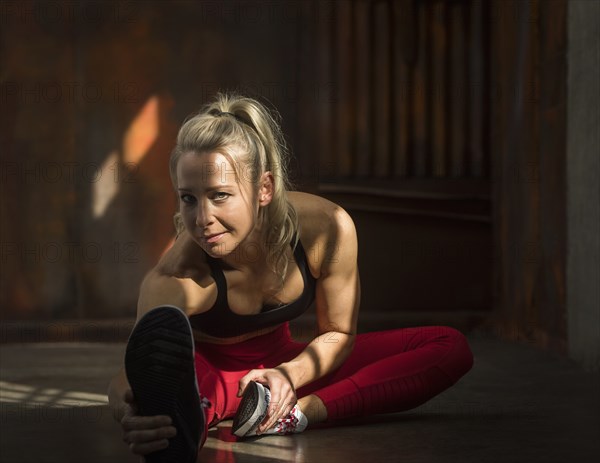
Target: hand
x,y
283,395
144,434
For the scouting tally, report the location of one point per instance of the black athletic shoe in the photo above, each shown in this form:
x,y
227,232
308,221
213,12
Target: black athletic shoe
x,y
252,410
159,363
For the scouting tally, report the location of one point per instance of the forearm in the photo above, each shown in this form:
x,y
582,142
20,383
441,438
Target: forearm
x,y
324,354
116,395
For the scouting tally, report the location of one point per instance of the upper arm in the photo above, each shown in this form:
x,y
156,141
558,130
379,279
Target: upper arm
x,y
338,287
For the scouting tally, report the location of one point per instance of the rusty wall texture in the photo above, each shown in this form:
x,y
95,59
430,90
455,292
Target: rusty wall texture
x,y
92,95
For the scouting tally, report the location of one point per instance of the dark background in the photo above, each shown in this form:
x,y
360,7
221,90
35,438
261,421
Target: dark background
x,y
441,126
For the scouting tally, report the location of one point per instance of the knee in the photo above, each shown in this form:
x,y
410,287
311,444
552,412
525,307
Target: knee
x,y
459,356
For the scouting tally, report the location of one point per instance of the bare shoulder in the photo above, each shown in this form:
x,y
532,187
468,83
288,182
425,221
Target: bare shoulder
x,y
327,232
181,278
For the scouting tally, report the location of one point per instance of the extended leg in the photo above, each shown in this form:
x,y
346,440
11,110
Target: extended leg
x,y
392,371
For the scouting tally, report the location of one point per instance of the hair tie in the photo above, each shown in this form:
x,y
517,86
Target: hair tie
x,y
220,113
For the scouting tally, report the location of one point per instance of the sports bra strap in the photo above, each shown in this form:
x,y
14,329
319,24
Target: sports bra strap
x,y
217,273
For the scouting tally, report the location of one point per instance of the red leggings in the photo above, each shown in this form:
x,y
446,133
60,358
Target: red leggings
x,y
387,371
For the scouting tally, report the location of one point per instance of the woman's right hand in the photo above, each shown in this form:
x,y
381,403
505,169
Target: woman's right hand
x,y
144,434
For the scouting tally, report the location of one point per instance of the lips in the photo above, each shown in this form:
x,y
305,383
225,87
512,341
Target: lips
x,y
213,238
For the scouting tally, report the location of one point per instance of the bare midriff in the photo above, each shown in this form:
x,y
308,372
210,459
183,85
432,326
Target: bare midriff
x,y
199,336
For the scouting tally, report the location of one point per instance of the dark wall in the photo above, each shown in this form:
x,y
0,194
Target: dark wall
x,y
92,96
529,165
438,125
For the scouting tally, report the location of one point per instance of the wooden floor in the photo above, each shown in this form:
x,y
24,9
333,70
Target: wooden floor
x,y
518,404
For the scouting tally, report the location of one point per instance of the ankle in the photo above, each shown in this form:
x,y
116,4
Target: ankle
x,y
313,408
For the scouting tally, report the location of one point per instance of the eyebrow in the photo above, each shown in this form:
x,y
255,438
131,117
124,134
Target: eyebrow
x,y
208,189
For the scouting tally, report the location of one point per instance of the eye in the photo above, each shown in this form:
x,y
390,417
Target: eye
x,y
220,195
188,199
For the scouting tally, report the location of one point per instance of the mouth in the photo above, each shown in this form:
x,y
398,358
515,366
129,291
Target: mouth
x,y
213,238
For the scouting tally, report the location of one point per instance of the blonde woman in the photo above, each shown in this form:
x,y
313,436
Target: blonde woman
x,y
212,339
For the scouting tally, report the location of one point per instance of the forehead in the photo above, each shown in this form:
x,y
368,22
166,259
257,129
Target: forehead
x,y
206,169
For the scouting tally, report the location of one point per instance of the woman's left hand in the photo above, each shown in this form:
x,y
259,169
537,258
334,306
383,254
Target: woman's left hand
x,y
283,395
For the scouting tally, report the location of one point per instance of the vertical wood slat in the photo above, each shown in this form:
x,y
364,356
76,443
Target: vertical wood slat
x,y
325,78
362,70
457,122
392,117
402,46
307,143
476,80
552,98
381,89
515,149
344,104
437,94
419,103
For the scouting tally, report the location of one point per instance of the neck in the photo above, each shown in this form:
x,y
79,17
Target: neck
x,y
250,255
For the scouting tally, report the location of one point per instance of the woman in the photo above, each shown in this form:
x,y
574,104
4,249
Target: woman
x,y
212,339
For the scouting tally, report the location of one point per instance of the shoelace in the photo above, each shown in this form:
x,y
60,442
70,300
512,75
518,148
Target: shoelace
x,y
288,424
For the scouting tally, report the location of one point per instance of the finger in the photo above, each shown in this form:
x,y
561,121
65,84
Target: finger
x,y
129,399
136,422
149,447
243,383
272,415
242,386
280,413
252,375
150,435
129,396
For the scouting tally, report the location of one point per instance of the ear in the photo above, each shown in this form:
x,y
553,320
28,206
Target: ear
x,y
266,187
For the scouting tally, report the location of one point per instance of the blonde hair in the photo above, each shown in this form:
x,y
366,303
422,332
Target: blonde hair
x,y
233,121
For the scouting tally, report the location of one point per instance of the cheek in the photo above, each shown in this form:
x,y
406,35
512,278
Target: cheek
x,y
187,216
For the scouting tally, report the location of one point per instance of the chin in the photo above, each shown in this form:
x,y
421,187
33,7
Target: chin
x,y
218,250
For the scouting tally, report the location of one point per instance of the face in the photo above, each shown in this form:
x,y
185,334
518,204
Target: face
x,y
219,209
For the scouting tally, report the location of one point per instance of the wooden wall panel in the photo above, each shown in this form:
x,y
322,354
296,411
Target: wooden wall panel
x,y
344,108
404,55
458,90
402,60
411,76
381,111
324,118
550,96
376,106
528,152
362,78
478,93
420,114
437,94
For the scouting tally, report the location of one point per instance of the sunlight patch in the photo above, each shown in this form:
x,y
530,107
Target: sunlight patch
x,y
33,396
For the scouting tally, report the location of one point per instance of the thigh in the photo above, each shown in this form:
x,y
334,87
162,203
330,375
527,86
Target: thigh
x,y
220,370
218,389
426,344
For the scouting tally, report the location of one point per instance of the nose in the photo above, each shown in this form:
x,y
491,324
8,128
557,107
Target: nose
x,y
204,217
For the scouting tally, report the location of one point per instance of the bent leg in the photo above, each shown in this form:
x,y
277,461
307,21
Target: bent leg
x,y
218,390
219,368
392,371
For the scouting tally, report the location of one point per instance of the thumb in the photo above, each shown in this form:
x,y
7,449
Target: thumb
x,y
128,397
241,388
242,385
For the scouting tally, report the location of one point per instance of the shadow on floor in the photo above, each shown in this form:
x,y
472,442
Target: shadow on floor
x,y
518,404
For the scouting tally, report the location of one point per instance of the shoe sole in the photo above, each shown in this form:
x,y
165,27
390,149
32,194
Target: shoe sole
x,y
251,411
159,364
